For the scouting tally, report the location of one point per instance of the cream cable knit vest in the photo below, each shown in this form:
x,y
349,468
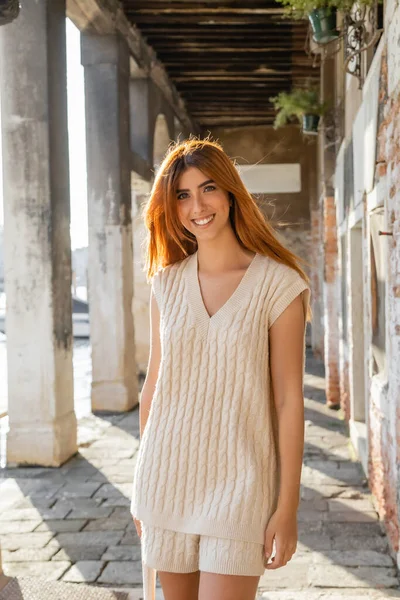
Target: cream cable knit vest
x,y
208,461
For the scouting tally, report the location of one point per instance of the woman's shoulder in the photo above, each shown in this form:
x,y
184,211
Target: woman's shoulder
x,y
170,271
279,276
275,269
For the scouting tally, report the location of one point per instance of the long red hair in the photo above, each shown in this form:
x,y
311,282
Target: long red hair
x,y
169,242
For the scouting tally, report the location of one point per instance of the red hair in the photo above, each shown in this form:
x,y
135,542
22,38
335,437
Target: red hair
x,y
169,242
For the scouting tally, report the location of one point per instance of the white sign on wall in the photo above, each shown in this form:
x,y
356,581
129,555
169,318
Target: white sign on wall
x,y
271,179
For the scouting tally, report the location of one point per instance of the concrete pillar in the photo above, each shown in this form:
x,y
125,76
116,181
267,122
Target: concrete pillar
x,y
106,62
36,235
140,128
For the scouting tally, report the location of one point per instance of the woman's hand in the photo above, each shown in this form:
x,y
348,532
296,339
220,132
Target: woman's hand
x,y
283,527
138,526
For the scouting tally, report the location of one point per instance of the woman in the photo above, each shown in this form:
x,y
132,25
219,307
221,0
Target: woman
x,y
217,477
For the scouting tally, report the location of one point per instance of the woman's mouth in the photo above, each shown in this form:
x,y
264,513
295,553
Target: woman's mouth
x,y
203,222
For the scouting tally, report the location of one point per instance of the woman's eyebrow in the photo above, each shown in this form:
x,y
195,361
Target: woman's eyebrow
x,y
199,186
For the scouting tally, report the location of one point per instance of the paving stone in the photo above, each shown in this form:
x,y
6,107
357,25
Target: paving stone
x,y
108,490
78,503
291,575
120,573
312,516
351,516
108,524
15,541
344,504
28,554
46,570
353,558
317,504
80,490
79,553
39,504
353,529
119,478
96,452
118,553
343,594
40,490
23,514
90,538
130,537
128,462
84,571
61,526
338,576
117,501
314,541
310,527
359,542
100,477
353,492
98,512
18,526
318,492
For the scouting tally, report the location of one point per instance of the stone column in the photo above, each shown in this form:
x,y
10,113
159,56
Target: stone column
x,y
106,62
36,235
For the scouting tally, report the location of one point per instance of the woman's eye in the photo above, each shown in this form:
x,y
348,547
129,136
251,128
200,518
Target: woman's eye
x,y
182,196
209,187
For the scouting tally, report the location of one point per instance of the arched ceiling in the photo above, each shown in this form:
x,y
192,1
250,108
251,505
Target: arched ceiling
x,y
225,57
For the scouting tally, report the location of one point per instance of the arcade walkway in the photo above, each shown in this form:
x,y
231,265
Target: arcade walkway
x,y
71,526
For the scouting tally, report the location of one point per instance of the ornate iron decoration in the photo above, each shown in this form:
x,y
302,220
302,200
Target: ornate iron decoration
x,y
9,10
360,32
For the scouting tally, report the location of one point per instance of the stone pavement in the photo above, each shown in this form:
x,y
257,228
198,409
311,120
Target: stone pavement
x,y
73,524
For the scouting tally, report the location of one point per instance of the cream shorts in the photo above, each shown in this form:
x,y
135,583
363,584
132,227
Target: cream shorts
x,y
176,552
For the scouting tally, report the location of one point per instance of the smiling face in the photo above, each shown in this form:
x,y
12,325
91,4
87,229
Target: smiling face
x,y
203,207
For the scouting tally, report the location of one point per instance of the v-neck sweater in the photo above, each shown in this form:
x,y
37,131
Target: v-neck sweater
x,y
208,459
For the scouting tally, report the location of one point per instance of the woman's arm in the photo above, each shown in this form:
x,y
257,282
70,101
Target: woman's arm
x,y
153,364
149,384
286,365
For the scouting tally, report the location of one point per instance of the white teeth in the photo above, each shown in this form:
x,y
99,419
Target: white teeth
x,y
203,221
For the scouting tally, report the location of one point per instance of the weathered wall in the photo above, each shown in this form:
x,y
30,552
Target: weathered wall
x,y
385,395
368,193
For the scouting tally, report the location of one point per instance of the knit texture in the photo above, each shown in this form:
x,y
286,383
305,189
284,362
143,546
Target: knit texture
x,y
208,458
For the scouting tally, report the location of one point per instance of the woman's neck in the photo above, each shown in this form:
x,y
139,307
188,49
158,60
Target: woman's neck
x,y
222,254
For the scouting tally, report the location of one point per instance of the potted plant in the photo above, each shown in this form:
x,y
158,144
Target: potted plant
x,y
321,14
302,104
9,10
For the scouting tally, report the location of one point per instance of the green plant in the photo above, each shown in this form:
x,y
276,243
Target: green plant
x,y
296,104
300,9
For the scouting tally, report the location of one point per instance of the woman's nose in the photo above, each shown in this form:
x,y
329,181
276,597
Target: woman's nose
x,y
198,202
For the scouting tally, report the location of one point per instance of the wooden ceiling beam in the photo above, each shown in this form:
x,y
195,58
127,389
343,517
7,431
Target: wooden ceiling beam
x,y
197,19
239,79
217,32
190,4
206,11
166,52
